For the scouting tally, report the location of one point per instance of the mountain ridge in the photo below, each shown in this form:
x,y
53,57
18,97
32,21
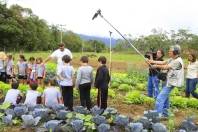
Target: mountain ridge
x,y
105,40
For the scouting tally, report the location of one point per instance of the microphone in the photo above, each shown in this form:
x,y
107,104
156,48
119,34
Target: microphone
x,y
96,14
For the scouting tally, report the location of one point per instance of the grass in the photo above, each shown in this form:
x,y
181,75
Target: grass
x,y
119,57
116,56
121,62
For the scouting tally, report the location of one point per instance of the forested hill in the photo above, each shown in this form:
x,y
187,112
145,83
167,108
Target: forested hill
x,y
105,40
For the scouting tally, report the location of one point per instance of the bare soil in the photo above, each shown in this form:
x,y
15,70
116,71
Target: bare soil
x,y
116,66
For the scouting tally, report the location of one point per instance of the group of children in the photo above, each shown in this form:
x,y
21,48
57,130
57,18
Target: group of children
x,y
33,70
49,97
67,80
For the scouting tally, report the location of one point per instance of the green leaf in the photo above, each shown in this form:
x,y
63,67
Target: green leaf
x,y
5,106
16,121
88,118
69,115
80,116
1,115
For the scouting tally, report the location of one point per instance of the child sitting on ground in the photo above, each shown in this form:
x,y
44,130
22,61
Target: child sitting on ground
x,y
13,95
51,95
32,96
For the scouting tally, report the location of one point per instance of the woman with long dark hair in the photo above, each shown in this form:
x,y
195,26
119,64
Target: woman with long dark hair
x,y
153,80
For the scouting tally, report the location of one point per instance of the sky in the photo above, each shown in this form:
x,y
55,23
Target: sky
x,y
135,17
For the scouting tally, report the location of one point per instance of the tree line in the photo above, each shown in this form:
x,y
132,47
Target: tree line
x,y
20,29
161,39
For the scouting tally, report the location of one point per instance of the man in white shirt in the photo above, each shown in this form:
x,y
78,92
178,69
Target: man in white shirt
x,y
175,78
58,54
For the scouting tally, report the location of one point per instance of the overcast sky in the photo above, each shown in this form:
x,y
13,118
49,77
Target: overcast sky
x,y
136,17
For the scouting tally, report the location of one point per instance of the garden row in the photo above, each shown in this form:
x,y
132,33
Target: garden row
x,y
59,119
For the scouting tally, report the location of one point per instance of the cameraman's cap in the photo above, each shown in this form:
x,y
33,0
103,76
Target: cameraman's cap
x,y
176,48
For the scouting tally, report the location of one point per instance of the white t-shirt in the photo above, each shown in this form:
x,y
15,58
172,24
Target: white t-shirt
x,y
40,70
10,67
58,54
192,70
12,95
51,95
22,66
32,68
2,66
66,72
31,97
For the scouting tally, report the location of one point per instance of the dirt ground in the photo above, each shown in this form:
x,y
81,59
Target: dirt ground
x,y
117,66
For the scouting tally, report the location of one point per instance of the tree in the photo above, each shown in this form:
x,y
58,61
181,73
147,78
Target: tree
x,y
72,41
95,46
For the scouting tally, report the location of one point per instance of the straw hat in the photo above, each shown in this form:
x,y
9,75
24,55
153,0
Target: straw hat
x,y
3,56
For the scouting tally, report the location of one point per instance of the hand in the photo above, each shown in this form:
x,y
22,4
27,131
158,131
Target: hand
x,y
149,61
154,66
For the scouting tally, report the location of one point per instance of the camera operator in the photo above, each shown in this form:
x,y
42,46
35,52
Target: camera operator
x,y
153,80
175,78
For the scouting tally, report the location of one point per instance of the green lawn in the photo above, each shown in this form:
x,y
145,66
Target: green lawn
x,y
115,56
127,57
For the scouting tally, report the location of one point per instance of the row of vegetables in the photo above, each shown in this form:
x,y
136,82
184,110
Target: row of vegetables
x,y
131,95
133,85
59,119
130,87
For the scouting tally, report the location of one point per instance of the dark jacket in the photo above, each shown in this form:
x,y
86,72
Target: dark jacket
x,y
154,72
102,77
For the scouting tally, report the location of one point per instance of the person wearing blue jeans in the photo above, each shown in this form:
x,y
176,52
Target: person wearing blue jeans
x,y
153,81
162,101
192,76
175,78
191,87
153,86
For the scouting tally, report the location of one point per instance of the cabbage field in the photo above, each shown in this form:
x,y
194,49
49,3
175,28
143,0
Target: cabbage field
x,y
130,110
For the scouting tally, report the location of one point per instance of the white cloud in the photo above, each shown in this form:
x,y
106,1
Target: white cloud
x,y
136,17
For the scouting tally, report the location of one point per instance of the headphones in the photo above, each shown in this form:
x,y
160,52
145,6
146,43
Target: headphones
x,y
176,50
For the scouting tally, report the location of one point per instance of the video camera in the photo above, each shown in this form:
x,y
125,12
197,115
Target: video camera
x,y
150,54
